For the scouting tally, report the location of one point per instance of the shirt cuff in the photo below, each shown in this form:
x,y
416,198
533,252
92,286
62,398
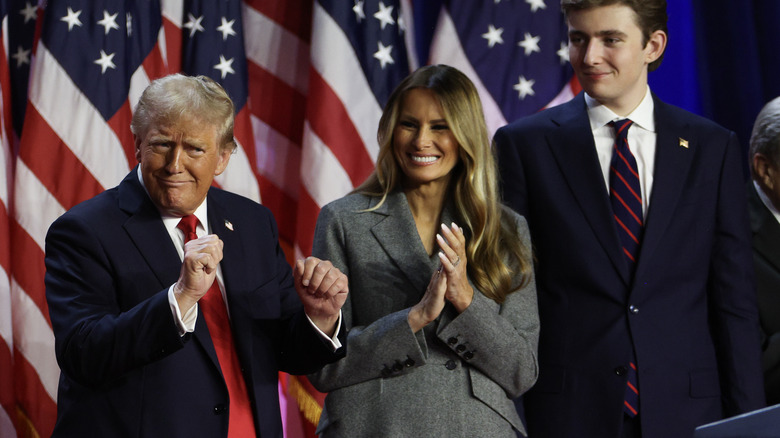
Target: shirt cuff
x,y
334,341
186,323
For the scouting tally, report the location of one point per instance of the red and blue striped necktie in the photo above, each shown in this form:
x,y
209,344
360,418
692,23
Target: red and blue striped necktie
x,y
626,197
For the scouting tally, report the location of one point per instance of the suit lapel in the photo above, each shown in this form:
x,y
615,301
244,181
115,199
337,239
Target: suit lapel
x,y
146,230
574,150
672,164
766,229
393,234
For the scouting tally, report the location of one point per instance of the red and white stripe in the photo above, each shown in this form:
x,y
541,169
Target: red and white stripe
x,y
7,397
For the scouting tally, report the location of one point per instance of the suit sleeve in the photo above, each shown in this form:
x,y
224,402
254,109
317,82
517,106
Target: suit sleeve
x,y
373,348
733,293
95,341
500,340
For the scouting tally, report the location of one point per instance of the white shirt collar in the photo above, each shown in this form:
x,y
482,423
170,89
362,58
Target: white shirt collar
x,y
642,115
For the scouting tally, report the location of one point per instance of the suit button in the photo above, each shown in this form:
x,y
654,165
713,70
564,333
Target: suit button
x,y
409,362
450,365
220,409
452,341
386,372
633,309
460,348
468,355
621,371
397,366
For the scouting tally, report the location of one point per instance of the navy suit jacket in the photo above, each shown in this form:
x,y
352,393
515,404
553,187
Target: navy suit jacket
x,y
690,312
126,372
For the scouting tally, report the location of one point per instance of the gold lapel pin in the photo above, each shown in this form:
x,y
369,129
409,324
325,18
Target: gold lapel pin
x,y
228,225
683,143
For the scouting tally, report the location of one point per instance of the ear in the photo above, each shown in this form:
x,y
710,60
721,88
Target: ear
x,y
137,141
223,157
655,46
763,171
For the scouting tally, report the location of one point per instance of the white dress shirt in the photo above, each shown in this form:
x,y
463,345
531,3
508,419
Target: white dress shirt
x,y
641,140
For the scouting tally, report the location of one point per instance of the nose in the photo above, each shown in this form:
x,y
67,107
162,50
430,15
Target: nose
x,y
593,52
424,138
173,161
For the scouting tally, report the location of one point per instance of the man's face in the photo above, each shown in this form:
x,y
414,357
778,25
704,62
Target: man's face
x,y
178,163
608,55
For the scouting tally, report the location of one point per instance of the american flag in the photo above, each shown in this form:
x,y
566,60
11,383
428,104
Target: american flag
x,y
514,51
309,79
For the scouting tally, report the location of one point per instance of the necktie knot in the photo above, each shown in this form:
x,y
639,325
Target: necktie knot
x,y
621,129
188,224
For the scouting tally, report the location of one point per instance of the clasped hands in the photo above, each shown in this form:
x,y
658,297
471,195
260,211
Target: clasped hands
x,y
322,287
449,282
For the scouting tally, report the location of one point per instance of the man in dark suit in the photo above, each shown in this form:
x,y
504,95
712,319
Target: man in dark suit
x,y
172,304
764,206
646,292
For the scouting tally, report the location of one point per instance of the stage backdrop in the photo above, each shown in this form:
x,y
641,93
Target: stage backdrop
x,y
309,78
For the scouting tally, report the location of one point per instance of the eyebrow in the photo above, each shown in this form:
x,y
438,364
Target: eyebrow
x,y
601,33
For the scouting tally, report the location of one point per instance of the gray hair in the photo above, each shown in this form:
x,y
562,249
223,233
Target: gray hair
x,y
765,139
169,98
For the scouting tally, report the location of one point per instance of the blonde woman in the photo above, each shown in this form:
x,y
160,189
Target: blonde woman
x,y
442,316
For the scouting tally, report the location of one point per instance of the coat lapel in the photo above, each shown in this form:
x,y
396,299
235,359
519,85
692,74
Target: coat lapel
x,y
393,234
672,164
575,152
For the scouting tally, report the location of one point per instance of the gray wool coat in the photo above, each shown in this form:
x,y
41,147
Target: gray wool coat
x,y
456,377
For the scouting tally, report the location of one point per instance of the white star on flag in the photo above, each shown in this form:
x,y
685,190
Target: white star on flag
x,y
536,5
108,22
385,15
21,56
29,11
493,36
194,24
563,53
72,18
524,87
383,54
530,44
226,28
105,61
225,66
358,10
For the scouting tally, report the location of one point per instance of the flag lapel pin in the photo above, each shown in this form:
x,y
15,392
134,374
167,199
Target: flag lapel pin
x,y
683,143
228,225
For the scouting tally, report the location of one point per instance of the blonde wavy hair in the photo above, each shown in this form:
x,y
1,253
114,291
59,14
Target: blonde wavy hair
x,y
493,248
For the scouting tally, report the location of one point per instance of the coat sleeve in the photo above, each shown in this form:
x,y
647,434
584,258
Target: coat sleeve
x,y
733,294
373,349
500,340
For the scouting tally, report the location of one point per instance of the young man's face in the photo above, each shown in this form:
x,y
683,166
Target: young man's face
x,y
608,55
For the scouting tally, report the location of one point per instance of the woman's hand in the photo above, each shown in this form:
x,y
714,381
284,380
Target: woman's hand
x,y
452,242
431,304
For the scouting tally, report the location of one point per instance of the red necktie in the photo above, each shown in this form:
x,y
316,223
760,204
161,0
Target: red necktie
x,y
214,311
626,196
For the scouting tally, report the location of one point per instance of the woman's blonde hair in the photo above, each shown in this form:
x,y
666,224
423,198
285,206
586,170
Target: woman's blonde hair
x,y
493,248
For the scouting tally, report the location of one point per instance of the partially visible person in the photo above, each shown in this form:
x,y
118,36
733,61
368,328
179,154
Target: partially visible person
x,y
172,304
640,228
441,314
764,207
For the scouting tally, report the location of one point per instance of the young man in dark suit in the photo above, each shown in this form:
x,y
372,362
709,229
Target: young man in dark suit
x,y
646,292
172,304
